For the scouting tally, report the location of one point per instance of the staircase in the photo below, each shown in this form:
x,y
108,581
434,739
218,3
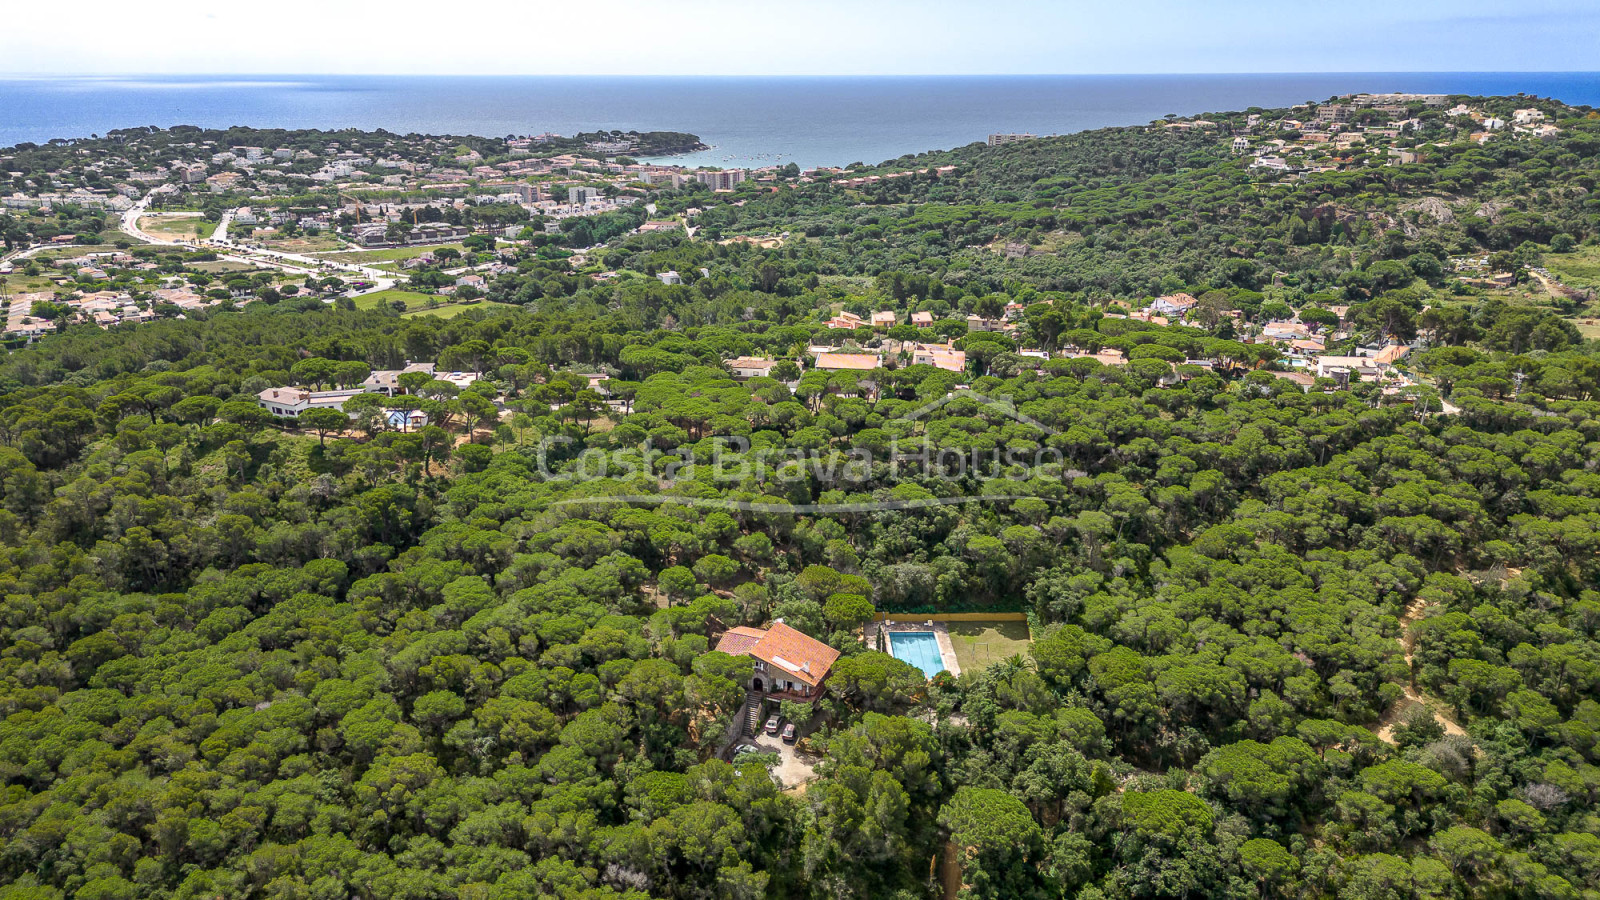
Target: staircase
x,y
752,713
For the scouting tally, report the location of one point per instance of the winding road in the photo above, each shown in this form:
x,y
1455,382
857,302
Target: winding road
x,y
234,251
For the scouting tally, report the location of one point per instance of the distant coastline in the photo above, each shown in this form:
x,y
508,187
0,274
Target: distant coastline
x,y
830,121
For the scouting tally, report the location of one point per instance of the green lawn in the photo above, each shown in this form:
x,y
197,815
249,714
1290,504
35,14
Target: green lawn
x,y
1578,269
70,251
448,312
17,283
387,254
411,299
221,266
981,644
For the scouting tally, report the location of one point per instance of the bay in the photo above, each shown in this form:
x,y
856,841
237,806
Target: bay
x,y
749,121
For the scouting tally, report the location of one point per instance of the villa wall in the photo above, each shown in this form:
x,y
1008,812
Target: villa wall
x,y
912,618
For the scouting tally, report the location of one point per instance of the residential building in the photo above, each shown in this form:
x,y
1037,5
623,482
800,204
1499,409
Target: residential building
x,y
1347,368
787,662
529,193
746,367
846,320
583,195
722,179
922,319
290,402
883,319
1172,305
1391,354
1285,331
996,140
387,381
942,356
670,278
406,419
848,361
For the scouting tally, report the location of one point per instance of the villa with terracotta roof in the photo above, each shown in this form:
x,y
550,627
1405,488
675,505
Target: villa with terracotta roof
x,y
788,663
941,355
858,361
1391,354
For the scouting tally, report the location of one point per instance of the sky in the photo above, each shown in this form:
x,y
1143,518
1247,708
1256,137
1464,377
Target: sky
x,y
797,37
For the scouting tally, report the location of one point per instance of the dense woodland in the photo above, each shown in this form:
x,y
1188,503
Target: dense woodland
x,y
473,662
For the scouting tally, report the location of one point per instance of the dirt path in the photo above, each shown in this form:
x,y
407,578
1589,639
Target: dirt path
x,y
1414,697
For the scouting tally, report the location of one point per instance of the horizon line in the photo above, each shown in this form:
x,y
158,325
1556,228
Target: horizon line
x,y
818,76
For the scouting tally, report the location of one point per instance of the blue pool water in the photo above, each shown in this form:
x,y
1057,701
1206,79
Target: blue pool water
x,y
919,648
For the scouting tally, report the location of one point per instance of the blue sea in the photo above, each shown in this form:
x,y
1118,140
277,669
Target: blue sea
x,y
749,121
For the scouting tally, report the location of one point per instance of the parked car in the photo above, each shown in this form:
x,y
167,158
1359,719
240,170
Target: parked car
x,y
772,724
788,733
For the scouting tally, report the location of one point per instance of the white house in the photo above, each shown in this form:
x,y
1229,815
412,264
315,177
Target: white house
x,y
387,381
289,402
748,367
1351,368
1172,305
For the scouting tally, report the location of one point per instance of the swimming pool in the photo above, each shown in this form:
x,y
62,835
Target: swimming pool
x,y
919,648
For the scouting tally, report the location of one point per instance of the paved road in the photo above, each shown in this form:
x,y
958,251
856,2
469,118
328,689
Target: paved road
x,y
234,251
221,234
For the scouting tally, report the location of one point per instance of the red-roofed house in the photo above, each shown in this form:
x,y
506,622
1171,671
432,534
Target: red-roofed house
x,y
1391,354
787,661
940,355
857,361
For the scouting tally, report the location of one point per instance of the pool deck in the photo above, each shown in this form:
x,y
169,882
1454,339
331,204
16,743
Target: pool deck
x,y
941,636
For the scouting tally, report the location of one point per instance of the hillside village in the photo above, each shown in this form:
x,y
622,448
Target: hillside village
x,y
343,217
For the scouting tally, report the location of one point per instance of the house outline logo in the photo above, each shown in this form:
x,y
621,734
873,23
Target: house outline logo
x,y
1003,407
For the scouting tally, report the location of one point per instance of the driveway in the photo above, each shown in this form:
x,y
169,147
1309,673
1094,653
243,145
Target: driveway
x,y
794,768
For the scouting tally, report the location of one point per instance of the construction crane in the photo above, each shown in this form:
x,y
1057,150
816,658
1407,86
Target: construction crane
x,y
354,202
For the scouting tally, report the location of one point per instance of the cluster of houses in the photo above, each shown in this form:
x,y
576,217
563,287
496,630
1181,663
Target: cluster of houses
x,y
1303,347
834,359
883,320
1328,137
100,307
1300,346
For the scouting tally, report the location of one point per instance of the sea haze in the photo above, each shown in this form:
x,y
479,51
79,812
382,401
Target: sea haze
x,y
750,121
